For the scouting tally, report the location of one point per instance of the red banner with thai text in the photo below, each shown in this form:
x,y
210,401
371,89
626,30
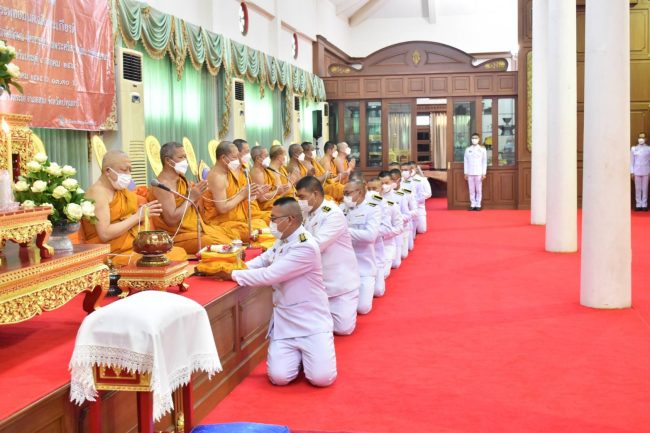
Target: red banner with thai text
x,y
64,50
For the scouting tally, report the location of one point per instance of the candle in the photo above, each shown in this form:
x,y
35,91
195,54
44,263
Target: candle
x,y
7,132
146,218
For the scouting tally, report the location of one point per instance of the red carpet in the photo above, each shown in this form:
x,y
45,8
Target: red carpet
x,y
34,355
480,331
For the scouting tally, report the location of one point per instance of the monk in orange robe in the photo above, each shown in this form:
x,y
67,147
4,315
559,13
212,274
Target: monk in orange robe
x,y
332,187
343,166
226,201
117,211
179,217
261,174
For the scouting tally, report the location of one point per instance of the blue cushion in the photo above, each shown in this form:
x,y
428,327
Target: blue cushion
x,y
240,427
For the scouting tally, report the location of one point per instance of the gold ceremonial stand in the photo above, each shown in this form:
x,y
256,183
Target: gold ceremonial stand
x,y
134,279
21,225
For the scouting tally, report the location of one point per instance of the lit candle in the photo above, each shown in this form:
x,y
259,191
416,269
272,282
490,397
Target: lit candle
x,y
7,132
146,218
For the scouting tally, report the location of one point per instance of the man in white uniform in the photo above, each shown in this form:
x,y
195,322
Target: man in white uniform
x,y
640,169
392,223
423,193
301,325
475,168
409,210
326,222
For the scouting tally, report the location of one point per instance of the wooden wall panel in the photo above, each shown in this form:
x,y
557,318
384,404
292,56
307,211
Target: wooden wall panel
x,y
639,119
416,86
461,85
484,84
439,86
523,185
332,88
505,187
371,87
640,82
351,87
393,87
506,84
639,23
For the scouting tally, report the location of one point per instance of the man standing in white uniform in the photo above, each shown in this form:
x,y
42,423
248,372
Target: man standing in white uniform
x,y
363,224
424,192
326,222
475,167
301,325
640,169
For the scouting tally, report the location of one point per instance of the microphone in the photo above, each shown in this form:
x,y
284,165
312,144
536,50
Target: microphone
x,y
156,184
282,174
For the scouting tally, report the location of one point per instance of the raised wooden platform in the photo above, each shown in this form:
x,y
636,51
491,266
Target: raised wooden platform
x,y
239,319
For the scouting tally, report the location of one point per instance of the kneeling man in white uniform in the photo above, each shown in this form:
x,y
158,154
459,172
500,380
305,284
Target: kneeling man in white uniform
x,y
301,325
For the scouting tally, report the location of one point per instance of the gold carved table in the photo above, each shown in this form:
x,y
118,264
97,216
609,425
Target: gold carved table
x,y
31,284
134,278
21,225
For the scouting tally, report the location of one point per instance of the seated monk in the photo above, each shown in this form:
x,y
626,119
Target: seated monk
x,y
333,189
328,161
226,201
297,161
343,166
278,160
178,212
242,172
262,175
117,211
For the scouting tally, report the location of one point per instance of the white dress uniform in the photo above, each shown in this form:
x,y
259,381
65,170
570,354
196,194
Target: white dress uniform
x,y
340,270
403,201
416,192
394,226
422,196
475,167
412,209
640,168
363,223
301,325
380,249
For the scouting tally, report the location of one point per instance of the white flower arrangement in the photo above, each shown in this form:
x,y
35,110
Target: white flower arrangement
x,y
9,71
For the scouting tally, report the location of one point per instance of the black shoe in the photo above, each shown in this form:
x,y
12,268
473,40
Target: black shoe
x,y
645,209
478,209
472,208
637,209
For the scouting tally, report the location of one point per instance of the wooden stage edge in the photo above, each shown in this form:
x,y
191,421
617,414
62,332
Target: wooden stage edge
x,y
239,320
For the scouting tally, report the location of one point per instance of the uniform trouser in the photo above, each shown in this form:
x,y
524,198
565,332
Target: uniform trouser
x,y
343,309
380,282
389,255
641,190
406,235
422,218
397,258
316,352
414,226
475,190
366,293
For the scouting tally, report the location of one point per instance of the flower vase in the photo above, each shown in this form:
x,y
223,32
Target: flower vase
x,y
59,239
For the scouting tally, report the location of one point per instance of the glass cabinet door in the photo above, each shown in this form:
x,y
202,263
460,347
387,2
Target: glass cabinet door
x,y
352,125
399,132
506,135
486,134
464,126
334,121
374,146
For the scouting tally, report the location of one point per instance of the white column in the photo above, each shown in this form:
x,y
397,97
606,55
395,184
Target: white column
x,y
540,113
606,244
561,193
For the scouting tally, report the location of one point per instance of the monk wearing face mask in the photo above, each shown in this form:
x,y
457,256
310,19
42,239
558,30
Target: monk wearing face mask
x,y
117,211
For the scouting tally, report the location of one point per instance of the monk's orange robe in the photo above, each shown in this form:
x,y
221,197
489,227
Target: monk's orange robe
x,y
236,219
284,178
123,205
333,189
187,236
270,179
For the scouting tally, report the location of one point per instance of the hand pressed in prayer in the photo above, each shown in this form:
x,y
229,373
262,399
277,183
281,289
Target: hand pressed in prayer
x,y
155,208
198,190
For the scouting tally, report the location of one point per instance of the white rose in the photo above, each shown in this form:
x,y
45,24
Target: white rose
x,y
60,191
39,186
40,157
54,169
47,205
88,208
2,44
80,191
13,70
70,184
73,211
33,166
11,50
68,170
21,186
28,204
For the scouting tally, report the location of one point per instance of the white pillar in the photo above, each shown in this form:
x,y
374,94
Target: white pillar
x,y
606,237
540,113
561,193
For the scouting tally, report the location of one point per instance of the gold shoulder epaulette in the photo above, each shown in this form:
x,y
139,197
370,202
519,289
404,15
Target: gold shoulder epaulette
x,y
407,190
399,193
302,237
372,204
391,203
326,208
377,197
416,179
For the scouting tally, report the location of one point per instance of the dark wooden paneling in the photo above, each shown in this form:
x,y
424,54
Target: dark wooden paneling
x,y
484,84
332,88
416,86
372,88
639,22
350,87
461,85
393,87
439,86
506,84
523,183
505,187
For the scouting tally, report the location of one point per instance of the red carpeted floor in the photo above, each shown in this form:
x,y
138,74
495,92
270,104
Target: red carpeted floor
x,y
480,331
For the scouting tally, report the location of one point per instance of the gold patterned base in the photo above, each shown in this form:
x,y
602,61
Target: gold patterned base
x,y
134,279
150,261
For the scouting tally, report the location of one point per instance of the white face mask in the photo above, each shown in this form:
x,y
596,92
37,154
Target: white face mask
x,y
348,151
123,180
393,185
406,174
274,230
301,157
335,154
246,159
386,188
474,140
349,202
181,167
641,140
234,164
266,162
304,206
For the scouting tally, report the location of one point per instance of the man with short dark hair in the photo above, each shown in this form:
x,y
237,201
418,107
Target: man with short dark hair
x,y
409,210
475,169
399,220
326,222
300,330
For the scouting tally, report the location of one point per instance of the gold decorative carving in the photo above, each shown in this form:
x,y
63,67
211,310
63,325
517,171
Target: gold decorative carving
x,y
25,232
115,378
21,140
496,65
51,294
339,69
416,57
110,123
137,283
529,101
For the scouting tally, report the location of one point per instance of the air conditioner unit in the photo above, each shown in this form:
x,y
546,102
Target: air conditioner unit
x,y
326,122
238,114
297,121
130,111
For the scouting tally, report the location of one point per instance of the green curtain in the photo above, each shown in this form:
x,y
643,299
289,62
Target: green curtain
x,y
175,109
263,116
67,147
